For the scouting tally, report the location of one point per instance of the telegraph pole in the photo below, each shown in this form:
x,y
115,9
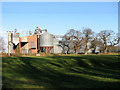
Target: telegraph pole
x,y
8,44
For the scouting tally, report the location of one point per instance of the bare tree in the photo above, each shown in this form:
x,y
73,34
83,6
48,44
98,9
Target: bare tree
x,y
113,49
2,44
88,36
109,39
96,42
75,37
65,44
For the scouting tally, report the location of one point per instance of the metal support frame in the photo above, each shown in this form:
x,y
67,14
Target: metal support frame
x,y
48,49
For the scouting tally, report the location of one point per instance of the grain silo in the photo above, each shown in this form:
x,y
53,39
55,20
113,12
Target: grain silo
x,y
46,43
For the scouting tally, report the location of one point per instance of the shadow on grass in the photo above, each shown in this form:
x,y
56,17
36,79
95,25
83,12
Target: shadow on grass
x,y
60,72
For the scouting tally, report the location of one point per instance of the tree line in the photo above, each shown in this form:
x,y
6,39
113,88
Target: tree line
x,y
105,40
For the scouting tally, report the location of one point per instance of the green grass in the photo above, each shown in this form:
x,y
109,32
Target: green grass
x,y
71,71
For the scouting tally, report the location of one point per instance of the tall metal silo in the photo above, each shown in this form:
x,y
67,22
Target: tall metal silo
x,y
46,39
46,43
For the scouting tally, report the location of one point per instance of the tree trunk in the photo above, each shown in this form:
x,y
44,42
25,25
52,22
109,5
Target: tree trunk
x,y
105,50
68,50
86,53
86,50
77,49
76,52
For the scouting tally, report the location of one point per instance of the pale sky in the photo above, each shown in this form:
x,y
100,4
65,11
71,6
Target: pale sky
x,y
58,17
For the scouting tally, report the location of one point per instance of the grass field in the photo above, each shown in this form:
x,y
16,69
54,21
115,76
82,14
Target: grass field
x,y
74,71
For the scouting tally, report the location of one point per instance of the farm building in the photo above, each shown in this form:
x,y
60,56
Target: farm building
x,y
45,42
41,42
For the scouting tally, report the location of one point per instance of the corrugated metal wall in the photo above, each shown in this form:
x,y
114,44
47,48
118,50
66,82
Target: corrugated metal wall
x,y
57,47
46,39
15,38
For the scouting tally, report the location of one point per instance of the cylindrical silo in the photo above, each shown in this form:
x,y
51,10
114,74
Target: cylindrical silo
x,y
46,39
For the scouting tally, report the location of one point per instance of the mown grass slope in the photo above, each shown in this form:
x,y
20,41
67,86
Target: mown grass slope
x,y
78,71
